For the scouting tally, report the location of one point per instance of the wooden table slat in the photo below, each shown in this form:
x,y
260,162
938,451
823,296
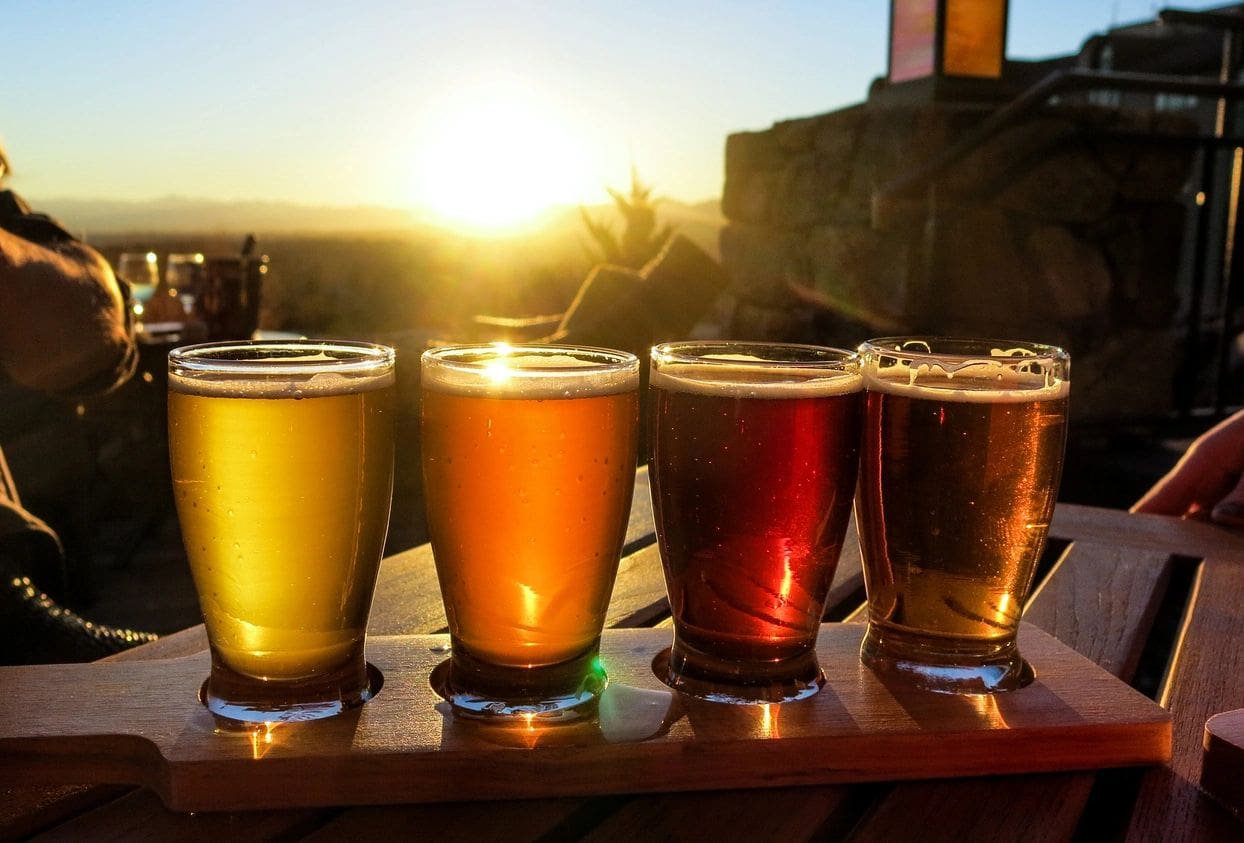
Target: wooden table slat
x,y
1106,624
1197,539
789,813
140,816
1099,599
1206,676
480,821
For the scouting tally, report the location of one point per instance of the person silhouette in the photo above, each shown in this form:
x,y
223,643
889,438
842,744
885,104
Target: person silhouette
x,y
65,330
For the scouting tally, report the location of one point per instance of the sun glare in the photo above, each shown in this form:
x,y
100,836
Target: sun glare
x,y
495,156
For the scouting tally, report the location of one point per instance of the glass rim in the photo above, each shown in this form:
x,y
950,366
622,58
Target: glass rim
x,y
459,358
960,349
820,356
249,357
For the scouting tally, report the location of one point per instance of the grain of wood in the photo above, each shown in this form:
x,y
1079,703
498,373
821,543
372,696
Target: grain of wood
x,y
403,746
1207,676
537,813
1099,599
1222,772
510,821
1197,539
139,816
790,813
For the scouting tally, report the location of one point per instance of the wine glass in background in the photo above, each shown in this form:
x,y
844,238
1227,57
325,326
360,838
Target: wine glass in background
x,y
183,275
142,272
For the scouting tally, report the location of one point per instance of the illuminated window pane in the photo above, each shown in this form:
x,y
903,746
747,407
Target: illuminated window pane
x,y
974,32
911,47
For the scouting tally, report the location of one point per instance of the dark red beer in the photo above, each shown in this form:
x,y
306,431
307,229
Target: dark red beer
x,y
753,470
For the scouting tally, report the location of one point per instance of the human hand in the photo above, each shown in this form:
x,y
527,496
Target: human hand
x,y
1208,481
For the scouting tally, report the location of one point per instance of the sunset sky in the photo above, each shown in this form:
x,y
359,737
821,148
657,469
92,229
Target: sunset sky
x,y
449,107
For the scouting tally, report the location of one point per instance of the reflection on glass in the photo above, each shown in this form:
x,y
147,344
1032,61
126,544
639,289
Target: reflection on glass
x,y
529,466
183,275
282,464
961,458
754,456
141,271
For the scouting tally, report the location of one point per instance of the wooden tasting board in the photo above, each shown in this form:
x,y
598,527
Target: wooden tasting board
x,y
141,723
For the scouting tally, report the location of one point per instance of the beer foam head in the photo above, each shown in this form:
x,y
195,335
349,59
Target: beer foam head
x,y
966,371
504,371
787,371
280,370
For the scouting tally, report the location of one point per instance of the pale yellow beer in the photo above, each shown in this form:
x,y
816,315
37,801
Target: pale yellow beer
x,y
529,465
961,458
282,471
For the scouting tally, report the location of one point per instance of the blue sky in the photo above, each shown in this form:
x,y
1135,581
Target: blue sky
x,y
390,102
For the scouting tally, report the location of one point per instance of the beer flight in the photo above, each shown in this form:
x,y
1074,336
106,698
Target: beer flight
x,y
949,450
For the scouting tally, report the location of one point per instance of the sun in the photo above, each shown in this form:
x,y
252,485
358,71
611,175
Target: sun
x,y
496,155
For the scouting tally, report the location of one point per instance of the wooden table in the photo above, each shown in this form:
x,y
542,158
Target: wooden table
x,y
1129,589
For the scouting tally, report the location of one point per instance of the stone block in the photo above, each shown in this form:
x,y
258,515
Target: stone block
x,y
1003,157
861,274
984,282
803,192
1072,280
746,196
838,134
796,135
747,152
1126,373
759,323
1070,186
1153,172
759,262
1143,245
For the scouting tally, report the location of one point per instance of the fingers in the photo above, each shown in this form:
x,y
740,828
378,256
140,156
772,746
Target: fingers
x,y
1194,485
1206,474
1229,511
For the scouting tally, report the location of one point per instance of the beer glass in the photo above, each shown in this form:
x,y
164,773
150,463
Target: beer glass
x,y
282,463
755,449
528,467
962,453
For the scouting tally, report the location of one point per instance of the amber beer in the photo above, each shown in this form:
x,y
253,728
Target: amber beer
x,y
529,467
962,453
755,451
282,464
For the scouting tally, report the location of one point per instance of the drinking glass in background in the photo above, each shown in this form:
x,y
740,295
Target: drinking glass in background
x,y
529,457
962,455
229,296
141,270
282,463
183,276
754,459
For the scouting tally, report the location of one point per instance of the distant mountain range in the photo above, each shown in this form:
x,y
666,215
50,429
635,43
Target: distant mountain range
x,y
176,214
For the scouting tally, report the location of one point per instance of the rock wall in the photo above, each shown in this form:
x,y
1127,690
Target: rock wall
x,y
1066,228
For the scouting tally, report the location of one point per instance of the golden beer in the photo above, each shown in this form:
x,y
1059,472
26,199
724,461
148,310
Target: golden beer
x,y
529,465
961,457
282,471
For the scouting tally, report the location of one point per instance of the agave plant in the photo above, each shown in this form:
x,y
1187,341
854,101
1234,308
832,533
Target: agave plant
x,y
641,240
